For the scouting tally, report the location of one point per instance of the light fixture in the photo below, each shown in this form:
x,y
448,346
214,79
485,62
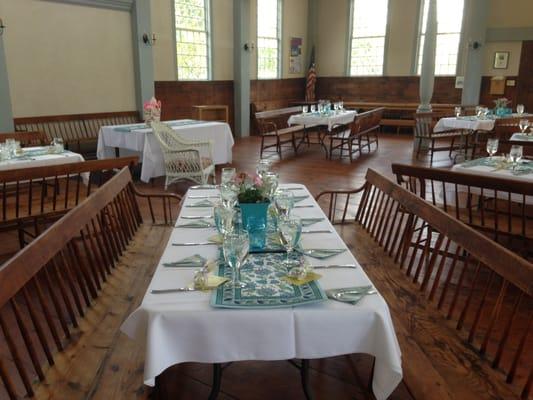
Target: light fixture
x,y
2,27
149,40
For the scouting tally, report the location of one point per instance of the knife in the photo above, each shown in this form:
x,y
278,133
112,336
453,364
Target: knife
x,y
196,216
195,244
334,266
176,290
317,231
304,206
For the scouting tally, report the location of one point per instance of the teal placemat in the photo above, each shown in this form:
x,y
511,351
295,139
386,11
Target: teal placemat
x,y
266,289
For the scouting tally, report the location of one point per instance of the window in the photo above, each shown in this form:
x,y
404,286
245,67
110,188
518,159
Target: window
x,y
449,22
369,28
268,39
192,39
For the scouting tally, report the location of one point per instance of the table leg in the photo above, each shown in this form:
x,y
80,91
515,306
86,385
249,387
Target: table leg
x,y
217,379
304,373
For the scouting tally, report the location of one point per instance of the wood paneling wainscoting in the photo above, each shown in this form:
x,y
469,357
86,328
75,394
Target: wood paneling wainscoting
x,y
401,89
269,94
178,97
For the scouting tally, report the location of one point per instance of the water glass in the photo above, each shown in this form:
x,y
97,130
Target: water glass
x,y
228,193
515,154
523,125
520,109
305,109
58,145
313,108
263,166
341,105
235,249
284,200
492,146
270,182
479,111
290,230
228,175
458,112
10,147
224,217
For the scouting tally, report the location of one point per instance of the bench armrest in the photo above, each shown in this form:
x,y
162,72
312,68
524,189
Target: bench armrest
x,y
167,202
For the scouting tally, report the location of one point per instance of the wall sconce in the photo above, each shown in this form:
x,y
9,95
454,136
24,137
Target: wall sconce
x,y
2,27
249,46
474,44
149,40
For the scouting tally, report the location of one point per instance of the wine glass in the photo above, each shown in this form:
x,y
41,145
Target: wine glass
x,y
479,111
228,193
520,109
492,146
305,109
270,182
284,202
458,112
313,108
228,175
224,219
58,145
290,230
523,125
341,105
515,154
235,249
263,166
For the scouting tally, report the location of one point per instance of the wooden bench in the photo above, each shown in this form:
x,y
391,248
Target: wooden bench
x,y
273,125
363,125
500,208
26,138
64,296
33,198
460,302
78,131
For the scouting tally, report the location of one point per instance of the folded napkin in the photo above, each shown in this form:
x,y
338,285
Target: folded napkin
x,y
299,198
310,221
217,239
195,261
203,203
309,277
213,281
350,295
196,224
321,254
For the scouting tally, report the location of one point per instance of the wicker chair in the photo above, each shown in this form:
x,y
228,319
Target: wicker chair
x,y
184,158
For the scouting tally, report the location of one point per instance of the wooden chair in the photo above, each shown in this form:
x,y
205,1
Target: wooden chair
x,y
500,208
460,302
49,292
184,158
26,139
33,198
274,131
424,125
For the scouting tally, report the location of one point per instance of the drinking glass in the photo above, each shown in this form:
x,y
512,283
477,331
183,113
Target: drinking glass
x,y
10,146
486,112
284,202
520,109
263,166
228,175
58,146
458,112
270,182
305,109
290,230
479,111
224,219
523,124
341,105
313,108
515,154
492,146
235,249
228,193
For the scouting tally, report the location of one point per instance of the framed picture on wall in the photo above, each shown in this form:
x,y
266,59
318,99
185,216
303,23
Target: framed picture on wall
x,y
501,60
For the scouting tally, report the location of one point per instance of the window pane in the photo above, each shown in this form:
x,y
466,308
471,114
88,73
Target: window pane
x,y
267,39
369,21
449,21
192,50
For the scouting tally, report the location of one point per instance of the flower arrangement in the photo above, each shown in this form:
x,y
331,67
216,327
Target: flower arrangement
x,y
152,110
252,189
501,102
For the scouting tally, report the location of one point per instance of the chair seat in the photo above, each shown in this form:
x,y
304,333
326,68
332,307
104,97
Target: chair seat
x,y
182,164
341,135
446,134
285,131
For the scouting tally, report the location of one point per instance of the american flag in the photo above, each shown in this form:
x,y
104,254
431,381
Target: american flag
x,y
311,79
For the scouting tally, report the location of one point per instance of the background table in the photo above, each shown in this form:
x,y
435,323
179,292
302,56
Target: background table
x,y
316,119
183,327
522,137
41,160
143,143
465,123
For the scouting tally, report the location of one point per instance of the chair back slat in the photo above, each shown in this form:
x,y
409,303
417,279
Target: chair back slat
x,y
485,289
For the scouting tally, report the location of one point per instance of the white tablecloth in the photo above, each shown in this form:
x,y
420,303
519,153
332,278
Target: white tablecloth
x,y
522,137
316,119
467,123
44,160
183,327
144,144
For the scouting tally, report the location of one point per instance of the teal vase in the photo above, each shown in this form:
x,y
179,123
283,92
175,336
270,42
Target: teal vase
x,y
254,221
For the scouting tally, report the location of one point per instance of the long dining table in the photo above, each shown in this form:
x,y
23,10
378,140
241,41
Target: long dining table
x,y
183,327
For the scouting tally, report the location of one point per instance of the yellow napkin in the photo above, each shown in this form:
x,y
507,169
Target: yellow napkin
x,y
311,276
213,281
217,239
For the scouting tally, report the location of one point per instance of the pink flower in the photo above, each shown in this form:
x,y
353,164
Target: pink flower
x,y
257,180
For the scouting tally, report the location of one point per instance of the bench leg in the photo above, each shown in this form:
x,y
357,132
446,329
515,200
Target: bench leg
x,y
262,146
304,373
217,379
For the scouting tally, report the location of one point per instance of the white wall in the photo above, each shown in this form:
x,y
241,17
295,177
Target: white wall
x,y
67,59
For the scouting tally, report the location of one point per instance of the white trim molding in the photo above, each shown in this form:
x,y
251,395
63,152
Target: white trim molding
x,y
123,5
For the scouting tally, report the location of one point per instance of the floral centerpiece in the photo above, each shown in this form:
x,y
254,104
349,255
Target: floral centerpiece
x,y
500,106
152,110
252,189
